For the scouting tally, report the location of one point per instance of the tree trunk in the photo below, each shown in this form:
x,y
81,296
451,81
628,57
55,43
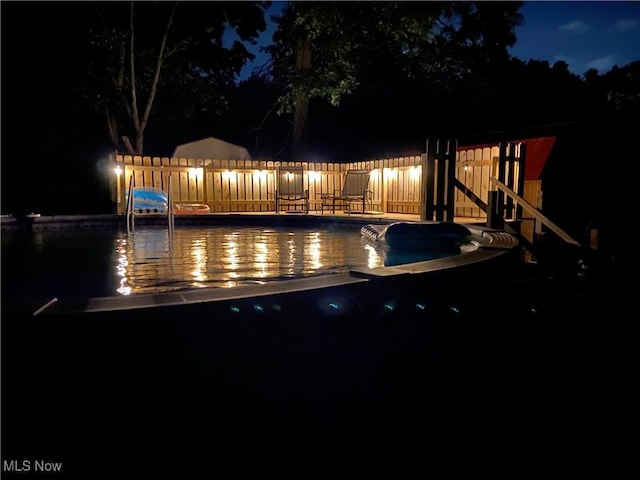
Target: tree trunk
x,y
300,139
139,143
128,148
112,125
299,146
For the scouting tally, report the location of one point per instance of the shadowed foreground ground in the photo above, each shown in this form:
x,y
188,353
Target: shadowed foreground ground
x,y
437,376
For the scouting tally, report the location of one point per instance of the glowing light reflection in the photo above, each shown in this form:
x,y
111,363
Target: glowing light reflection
x,y
231,259
150,260
121,268
292,254
199,255
261,258
373,259
315,252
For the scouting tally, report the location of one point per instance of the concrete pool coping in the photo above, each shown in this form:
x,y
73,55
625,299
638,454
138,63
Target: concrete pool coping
x,y
489,244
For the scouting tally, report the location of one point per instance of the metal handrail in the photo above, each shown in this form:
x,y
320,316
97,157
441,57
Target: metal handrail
x,y
129,209
170,213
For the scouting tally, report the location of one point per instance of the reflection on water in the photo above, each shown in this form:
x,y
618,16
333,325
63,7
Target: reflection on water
x,y
151,260
93,263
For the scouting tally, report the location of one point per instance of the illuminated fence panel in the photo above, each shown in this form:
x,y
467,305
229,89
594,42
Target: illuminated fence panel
x,y
138,177
391,180
473,169
157,174
396,184
242,187
375,185
215,201
313,182
183,181
147,175
230,187
258,184
249,185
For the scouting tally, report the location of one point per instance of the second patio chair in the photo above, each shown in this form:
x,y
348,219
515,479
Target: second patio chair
x,y
290,188
355,189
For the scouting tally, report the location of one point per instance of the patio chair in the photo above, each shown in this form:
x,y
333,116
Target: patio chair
x,y
355,189
290,187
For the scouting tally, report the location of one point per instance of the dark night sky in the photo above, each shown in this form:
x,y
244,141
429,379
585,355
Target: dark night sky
x,y
584,34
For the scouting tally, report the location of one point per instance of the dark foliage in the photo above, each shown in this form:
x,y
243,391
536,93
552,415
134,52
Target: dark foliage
x,y
54,141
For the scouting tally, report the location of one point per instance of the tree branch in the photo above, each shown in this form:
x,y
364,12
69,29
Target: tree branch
x,y
132,71
156,76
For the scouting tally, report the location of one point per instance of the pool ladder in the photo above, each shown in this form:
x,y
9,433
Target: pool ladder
x,y
131,211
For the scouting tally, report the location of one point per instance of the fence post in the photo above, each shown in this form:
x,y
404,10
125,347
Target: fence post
x,y
522,163
452,147
205,200
500,175
494,218
121,185
426,207
440,159
423,186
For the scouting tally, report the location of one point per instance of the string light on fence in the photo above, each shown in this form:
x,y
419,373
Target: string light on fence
x,y
196,172
391,173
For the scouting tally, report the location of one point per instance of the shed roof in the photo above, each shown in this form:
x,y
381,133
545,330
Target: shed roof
x,y
211,148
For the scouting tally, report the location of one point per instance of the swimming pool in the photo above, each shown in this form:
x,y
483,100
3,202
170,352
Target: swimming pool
x,y
82,263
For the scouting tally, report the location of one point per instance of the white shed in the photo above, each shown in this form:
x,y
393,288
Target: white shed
x,y
211,148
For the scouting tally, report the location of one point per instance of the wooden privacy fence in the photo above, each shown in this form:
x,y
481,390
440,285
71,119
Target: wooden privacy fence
x,y
249,185
473,172
457,181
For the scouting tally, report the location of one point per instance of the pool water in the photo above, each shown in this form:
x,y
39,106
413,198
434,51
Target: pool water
x,y
77,263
